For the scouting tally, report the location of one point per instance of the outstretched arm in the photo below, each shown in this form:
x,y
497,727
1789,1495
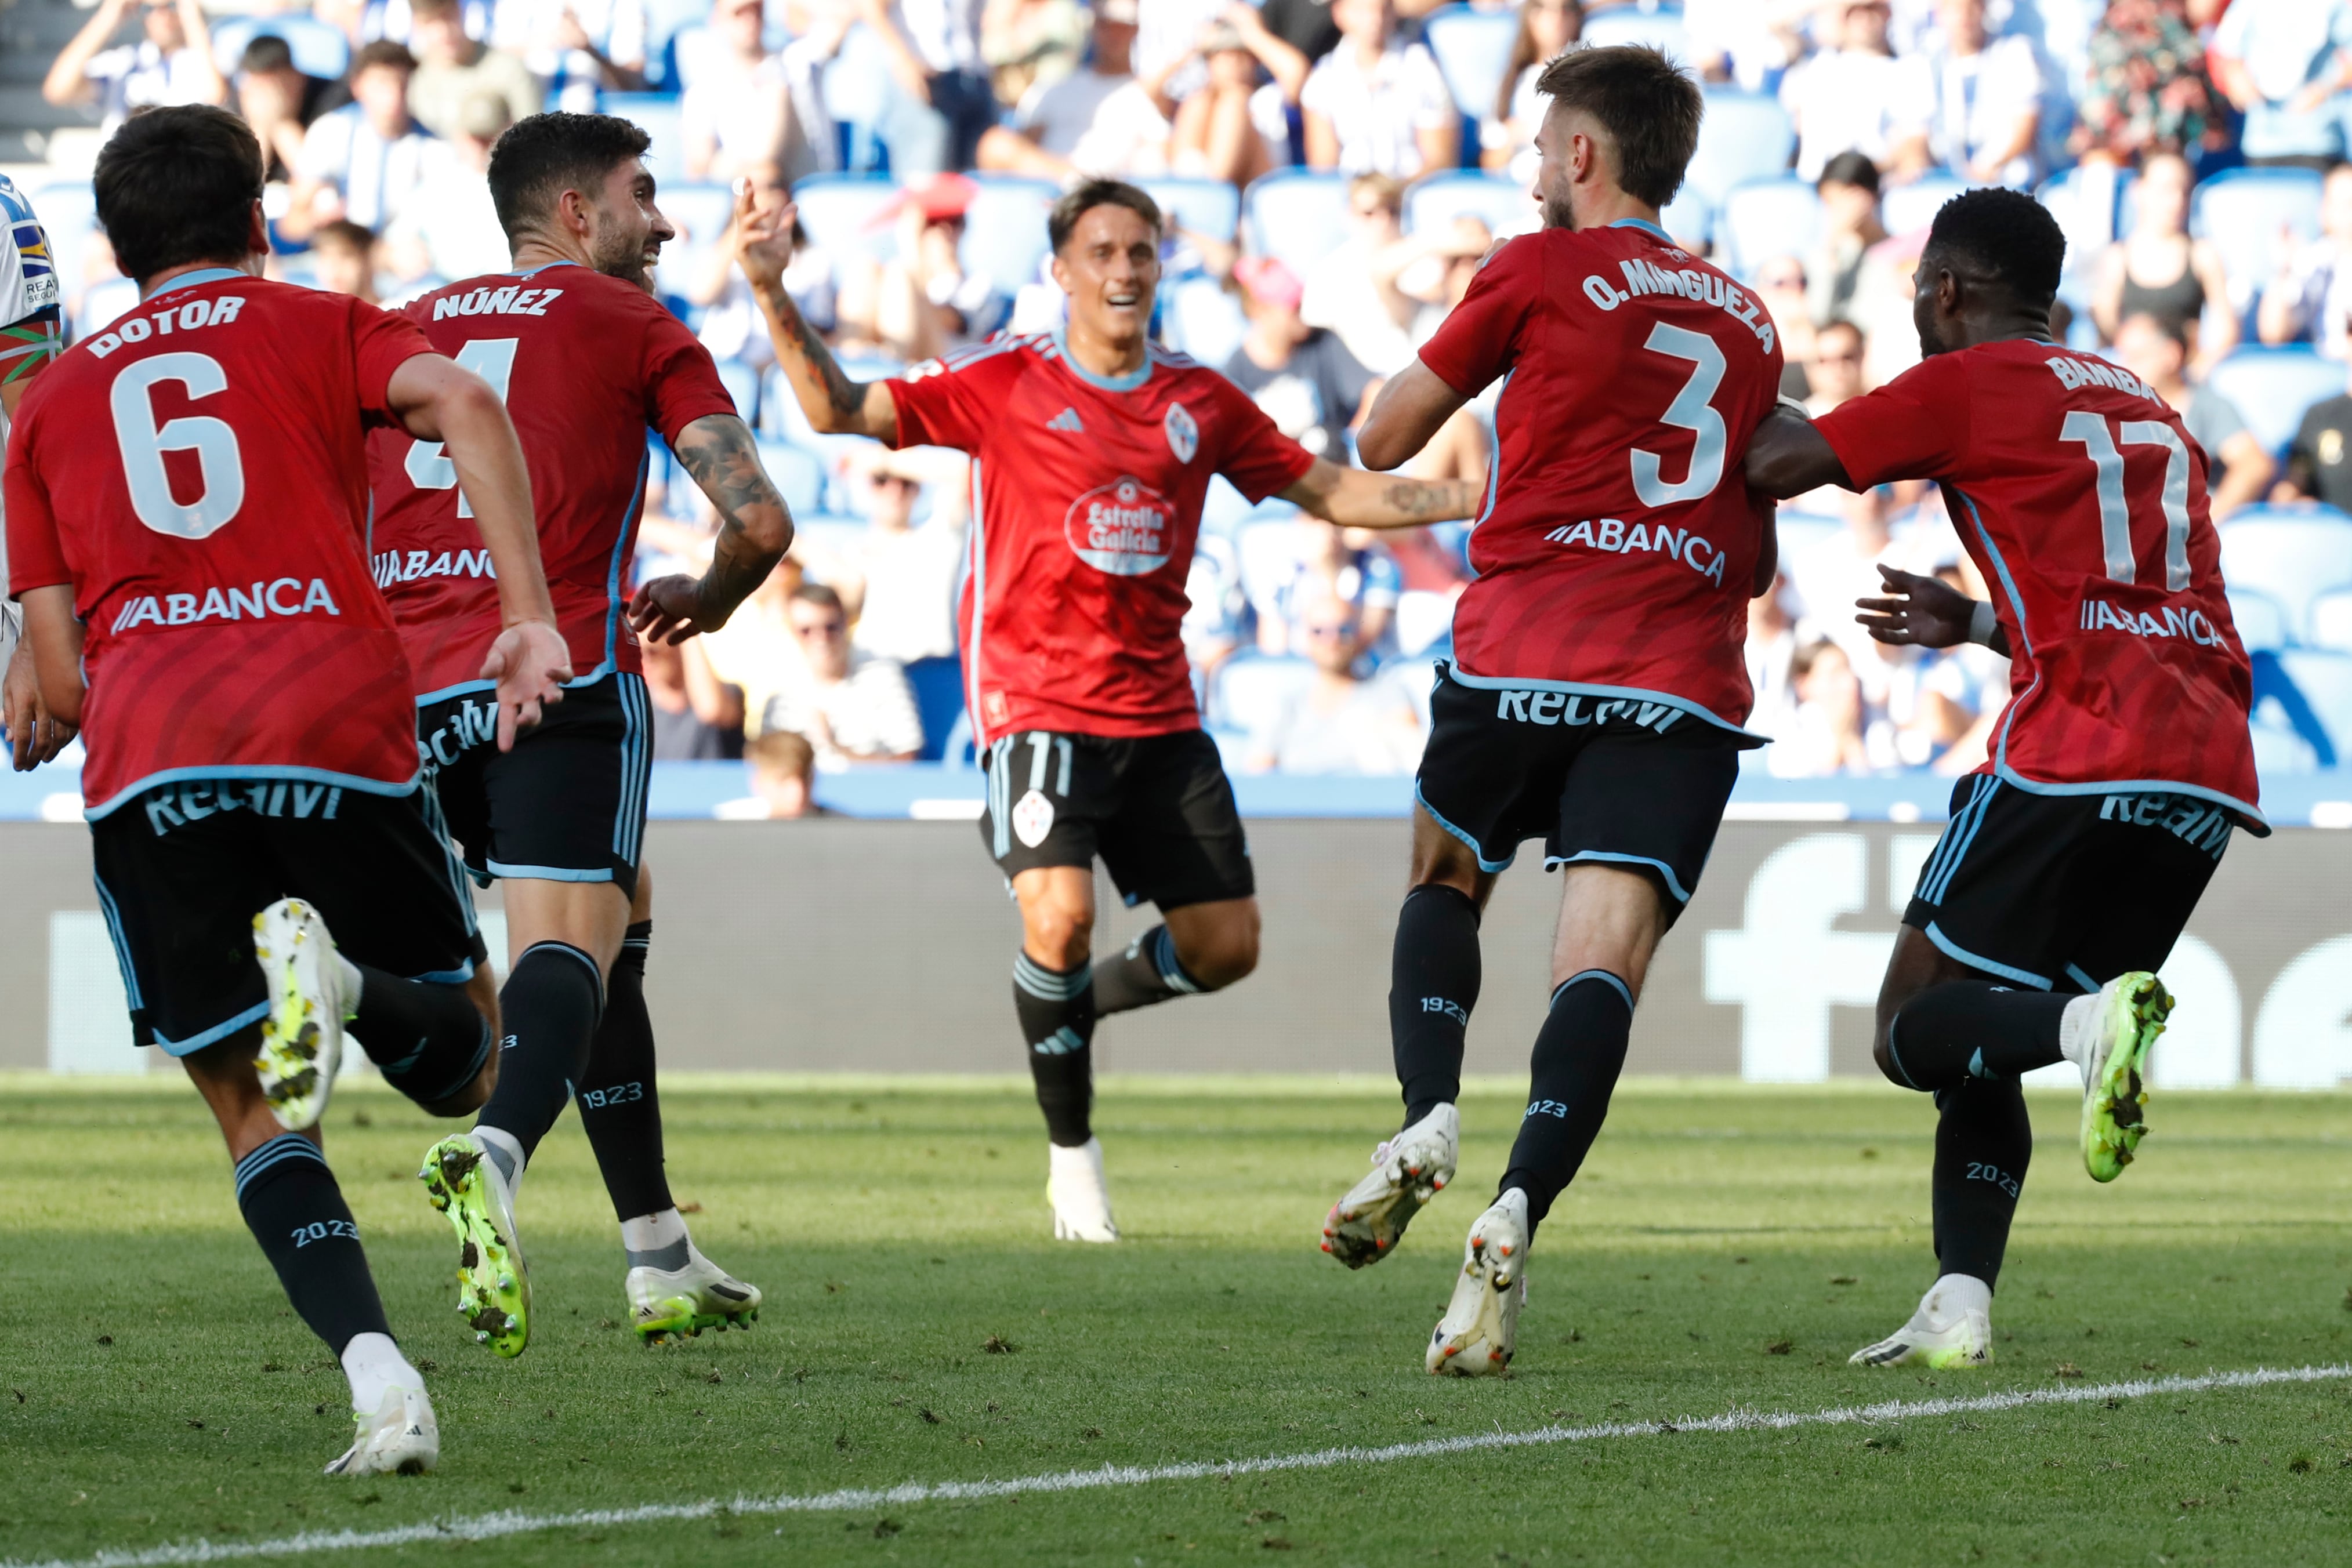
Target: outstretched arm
x,y
833,403
755,529
1787,456
1412,405
1356,499
1929,613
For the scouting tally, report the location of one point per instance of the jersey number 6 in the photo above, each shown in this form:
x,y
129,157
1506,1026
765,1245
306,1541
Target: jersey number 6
x,y
492,359
143,445
2115,512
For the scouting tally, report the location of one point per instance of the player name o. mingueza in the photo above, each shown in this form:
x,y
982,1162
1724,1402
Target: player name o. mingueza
x,y
1688,283
2098,615
257,603
1611,535
393,565
188,317
512,301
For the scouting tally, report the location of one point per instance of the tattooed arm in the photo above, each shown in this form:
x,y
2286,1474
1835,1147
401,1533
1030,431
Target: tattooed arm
x,y
754,531
1356,499
1414,405
834,403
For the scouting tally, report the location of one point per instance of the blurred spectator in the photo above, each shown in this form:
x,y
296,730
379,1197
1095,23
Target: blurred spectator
x,y
694,718
2281,62
942,102
923,302
1782,283
852,706
1988,99
899,579
1358,289
1745,42
746,108
2310,300
1030,45
1459,249
1378,103
342,258
1305,24
1840,353
2158,270
449,226
733,328
1772,654
1828,734
1829,575
2319,460
1341,722
578,47
171,64
1231,127
1506,142
363,162
1857,96
755,653
2240,470
1303,377
279,102
1097,120
2148,90
783,777
1848,187
1882,307
452,67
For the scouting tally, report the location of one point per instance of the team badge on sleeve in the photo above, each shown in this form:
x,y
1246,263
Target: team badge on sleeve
x,y
1183,435
1033,817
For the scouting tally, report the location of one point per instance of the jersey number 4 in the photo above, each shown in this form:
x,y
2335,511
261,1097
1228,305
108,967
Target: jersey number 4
x,y
2114,511
429,468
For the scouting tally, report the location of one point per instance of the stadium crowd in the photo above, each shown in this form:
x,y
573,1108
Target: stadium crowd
x,y
1334,171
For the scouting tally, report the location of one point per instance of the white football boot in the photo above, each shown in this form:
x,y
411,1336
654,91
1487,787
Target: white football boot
x,y
399,1436
666,1302
1075,1186
1952,1330
1408,1170
303,1032
1481,1326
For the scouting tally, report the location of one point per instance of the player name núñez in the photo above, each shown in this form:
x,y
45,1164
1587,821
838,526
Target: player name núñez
x,y
511,300
286,596
1615,537
2098,615
2074,372
1689,283
392,566
162,323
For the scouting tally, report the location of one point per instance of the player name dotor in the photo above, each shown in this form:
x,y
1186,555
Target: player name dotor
x,y
188,317
1611,535
285,596
1121,528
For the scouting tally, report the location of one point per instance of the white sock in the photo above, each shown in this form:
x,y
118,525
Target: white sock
x,y
352,983
374,1364
2078,1031
1952,1297
658,1241
506,1150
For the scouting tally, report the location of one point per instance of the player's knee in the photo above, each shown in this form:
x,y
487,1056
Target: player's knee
x,y
1057,937
1222,954
472,1096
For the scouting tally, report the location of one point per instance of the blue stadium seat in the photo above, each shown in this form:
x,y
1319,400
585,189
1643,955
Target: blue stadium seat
x,y
657,114
840,211
2329,621
1690,217
2261,620
1472,49
2305,694
700,214
1211,207
1252,689
1503,204
665,22
2088,202
319,48
742,384
2272,387
2241,212
1004,233
1298,214
798,476
1905,208
856,88
1745,136
1646,23
938,697
2294,555
1765,218
1200,318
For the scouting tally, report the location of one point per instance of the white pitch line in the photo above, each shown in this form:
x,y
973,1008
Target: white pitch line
x,y
496,1526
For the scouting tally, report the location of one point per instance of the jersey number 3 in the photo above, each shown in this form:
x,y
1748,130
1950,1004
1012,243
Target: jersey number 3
x,y
1691,410
492,359
2114,511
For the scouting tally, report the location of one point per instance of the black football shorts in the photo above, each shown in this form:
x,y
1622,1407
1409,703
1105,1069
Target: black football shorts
x,y
1158,810
2066,892
567,804
183,869
1610,780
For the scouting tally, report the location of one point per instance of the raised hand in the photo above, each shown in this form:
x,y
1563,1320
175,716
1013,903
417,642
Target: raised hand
x,y
670,609
1919,611
531,664
763,239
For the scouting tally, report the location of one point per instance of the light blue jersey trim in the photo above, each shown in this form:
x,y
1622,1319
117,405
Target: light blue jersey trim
x,y
251,770
121,943
977,577
1125,384
205,275
463,688
1978,961
1615,983
1960,836
2017,605
1646,225
445,977
1674,883
194,1043
1483,863
1456,674
636,758
547,872
621,551
2075,973
2134,787
535,271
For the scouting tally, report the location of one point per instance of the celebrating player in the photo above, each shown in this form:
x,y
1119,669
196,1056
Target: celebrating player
x,y
1600,683
29,342
1093,449
2075,853
187,501
586,360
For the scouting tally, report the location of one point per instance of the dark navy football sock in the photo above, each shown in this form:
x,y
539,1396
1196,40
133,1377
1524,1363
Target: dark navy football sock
x,y
550,1005
1146,973
1056,1007
1962,1029
1434,975
427,1040
1983,1144
297,1212
620,1109
1580,1051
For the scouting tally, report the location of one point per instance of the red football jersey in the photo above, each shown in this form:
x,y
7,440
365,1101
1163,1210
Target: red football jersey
x,y
1086,506
2082,498
199,473
1617,547
585,362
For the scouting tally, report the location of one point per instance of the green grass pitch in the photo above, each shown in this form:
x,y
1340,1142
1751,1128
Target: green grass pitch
x,y
1726,1247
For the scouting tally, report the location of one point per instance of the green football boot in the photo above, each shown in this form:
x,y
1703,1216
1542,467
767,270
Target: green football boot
x,y
493,1289
2131,1011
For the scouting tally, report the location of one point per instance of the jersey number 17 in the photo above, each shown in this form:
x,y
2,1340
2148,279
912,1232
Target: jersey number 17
x,y
2115,509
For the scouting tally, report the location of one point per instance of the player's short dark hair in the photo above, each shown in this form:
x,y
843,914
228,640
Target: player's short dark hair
x,y
2008,235
1850,168
383,52
1649,106
818,595
176,185
267,52
1087,194
539,158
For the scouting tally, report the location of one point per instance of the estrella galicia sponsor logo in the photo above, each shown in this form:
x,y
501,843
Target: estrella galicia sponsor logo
x,y
1183,435
172,806
1125,528
1574,708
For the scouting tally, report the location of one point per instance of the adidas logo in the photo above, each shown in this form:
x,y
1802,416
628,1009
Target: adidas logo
x,y
1067,419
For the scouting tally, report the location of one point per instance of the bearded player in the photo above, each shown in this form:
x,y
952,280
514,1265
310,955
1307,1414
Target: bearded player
x,y
1092,448
2074,855
586,360
1599,682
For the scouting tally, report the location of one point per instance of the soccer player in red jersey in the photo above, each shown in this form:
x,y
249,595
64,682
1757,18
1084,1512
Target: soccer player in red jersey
x,y
1093,449
586,360
1599,685
2074,855
187,507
